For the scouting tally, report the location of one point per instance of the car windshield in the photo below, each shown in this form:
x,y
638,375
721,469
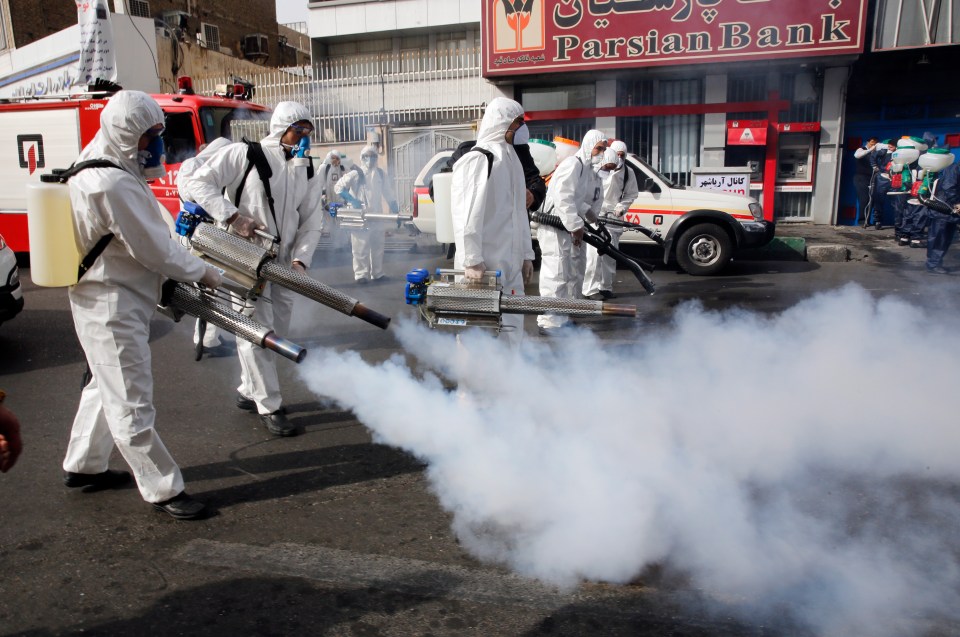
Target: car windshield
x,y
670,183
234,123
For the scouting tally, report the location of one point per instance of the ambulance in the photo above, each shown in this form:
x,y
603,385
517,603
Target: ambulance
x,y
40,134
702,229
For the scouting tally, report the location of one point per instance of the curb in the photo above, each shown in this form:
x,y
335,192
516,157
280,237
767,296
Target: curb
x,y
779,249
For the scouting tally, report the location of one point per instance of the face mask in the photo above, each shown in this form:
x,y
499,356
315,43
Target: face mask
x,y
368,161
596,159
151,159
603,174
521,135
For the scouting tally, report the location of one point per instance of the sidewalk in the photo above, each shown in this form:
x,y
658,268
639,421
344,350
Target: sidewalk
x,y
810,242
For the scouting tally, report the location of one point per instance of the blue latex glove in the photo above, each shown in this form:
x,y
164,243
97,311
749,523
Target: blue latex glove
x,y
350,199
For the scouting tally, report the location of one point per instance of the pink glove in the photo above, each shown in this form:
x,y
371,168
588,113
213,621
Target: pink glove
x,y
474,272
298,266
527,271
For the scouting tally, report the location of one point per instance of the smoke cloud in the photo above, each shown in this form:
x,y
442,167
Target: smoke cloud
x,y
802,465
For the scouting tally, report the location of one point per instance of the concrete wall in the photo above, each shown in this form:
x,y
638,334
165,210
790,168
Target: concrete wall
x,y
357,17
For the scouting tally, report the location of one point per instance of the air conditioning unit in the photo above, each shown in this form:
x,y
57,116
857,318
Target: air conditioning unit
x,y
140,8
256,46
209,36
175,19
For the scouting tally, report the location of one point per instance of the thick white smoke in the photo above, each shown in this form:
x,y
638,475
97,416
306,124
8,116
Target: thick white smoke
x,y
801,465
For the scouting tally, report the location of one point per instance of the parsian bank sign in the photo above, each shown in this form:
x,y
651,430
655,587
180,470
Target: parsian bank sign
x,y
548,36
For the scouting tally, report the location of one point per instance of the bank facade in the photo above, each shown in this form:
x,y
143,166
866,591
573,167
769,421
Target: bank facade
x,y
692,84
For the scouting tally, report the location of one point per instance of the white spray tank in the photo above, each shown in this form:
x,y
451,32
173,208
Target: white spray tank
x,y
565,148
442,184
544,155
54,258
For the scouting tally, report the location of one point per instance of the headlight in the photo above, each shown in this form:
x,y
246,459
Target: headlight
x,y
14,280
757,211
3,244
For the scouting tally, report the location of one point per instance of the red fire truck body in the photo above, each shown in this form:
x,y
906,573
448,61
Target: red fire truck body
x,y
38,136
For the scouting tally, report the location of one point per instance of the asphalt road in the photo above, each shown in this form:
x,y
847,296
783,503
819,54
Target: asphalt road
x,y
327,533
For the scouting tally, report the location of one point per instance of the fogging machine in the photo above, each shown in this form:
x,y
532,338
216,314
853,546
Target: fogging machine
x,y
449,301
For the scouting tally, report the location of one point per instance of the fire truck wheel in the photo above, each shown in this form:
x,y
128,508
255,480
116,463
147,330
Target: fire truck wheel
x,y
704,249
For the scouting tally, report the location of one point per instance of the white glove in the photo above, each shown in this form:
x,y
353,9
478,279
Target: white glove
x,y
245,226
619,210
474,272
591,216
211,278
527,271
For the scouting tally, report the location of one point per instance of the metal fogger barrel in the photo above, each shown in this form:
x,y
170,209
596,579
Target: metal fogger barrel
x,y
447,301
178,299
236,254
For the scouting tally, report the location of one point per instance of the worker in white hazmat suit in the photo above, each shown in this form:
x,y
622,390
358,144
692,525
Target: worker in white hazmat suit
x,y
488,205
368,187
296,217
574,195
619,191
333,170
114,300
211,334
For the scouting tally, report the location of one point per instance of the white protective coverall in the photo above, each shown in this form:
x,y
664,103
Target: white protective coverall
x,y
299,217
211,334
574,193
332,175
490,223
370,185
113,302
619,191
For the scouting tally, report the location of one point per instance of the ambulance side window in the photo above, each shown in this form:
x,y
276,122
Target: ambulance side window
x,y
178,138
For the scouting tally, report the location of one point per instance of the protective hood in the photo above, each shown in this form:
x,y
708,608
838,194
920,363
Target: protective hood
x,y
618,147
590,140
127,116
609,157
284,115
496,120
329,158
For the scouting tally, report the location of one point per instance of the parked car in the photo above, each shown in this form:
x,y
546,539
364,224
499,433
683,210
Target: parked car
x,y
11,295
702,229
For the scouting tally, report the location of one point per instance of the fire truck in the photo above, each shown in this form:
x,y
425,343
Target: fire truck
x,y
38,135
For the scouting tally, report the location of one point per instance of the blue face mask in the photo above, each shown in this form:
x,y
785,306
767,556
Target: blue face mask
x,y
151,159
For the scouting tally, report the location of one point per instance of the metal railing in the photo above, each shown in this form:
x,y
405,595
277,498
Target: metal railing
x,y
346,95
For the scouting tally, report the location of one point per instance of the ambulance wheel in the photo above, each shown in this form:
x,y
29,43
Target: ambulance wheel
x,y
704,249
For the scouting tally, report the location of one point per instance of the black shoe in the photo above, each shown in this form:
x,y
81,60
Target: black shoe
x,y
904,241
277,423
383,278
877,226
595,297
109,479
245,403
182,507
360,281
607,294
938,270
918,243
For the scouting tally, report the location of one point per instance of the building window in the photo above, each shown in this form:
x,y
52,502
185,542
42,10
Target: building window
x,y
559,98
915,23
140,8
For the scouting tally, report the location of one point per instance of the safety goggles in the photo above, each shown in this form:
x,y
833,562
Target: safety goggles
x,y
303,131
